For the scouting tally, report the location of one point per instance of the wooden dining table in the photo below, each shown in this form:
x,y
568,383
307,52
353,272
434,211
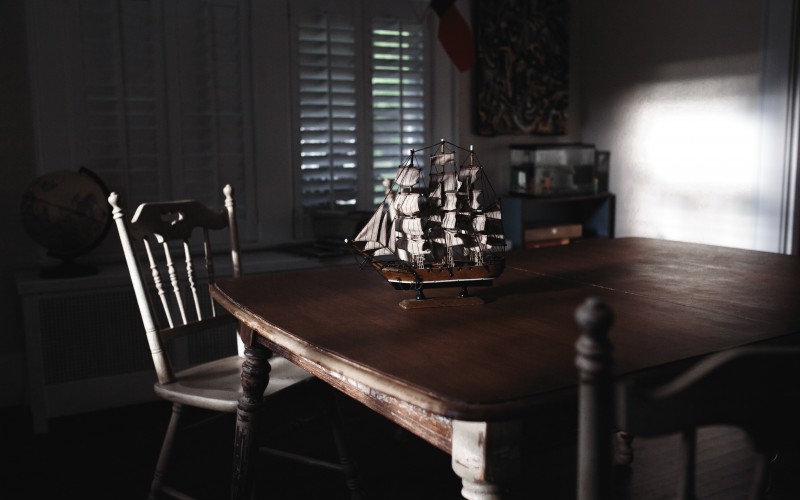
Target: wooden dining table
x,y
483,382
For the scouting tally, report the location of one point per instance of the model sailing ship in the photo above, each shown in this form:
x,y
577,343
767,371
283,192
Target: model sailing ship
x,y
447,232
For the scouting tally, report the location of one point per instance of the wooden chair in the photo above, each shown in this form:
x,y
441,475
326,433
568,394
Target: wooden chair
x,y
752,388
176,305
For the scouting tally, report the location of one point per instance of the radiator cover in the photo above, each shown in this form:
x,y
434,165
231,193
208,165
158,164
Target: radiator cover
x,y
85,343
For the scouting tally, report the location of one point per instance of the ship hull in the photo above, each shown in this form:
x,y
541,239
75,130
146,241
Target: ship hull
x,y
405,278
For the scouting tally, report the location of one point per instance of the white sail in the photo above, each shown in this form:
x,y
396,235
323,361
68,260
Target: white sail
x,y
374,228
408,203
407,175
485,224
494,214
494,223
378,234
450,182
477,199
403,255
450,201
409,225
457,220
386,228
470,242
377,250
494,240
449,220
438,235
443,158
468,174
479,223
412,246
453,239
435,195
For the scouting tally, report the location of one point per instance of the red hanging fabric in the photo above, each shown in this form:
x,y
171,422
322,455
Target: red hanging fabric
x,y
454,34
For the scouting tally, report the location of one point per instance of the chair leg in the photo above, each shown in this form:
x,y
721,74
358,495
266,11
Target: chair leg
x,y
348,467
761,477
689,450
166,451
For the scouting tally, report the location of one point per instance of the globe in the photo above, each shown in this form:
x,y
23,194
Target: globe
x,y
67,213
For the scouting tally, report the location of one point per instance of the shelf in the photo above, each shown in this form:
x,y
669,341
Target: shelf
x,y
594,212
532,198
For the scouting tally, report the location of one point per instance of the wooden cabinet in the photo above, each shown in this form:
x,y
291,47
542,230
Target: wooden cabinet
x,y
594,213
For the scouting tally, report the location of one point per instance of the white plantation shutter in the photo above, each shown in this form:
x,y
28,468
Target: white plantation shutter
x,y
326,69
211,106
398,96
124,125
166,107
353,128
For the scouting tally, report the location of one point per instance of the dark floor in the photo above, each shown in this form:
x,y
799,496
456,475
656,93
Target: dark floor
x,y
111,455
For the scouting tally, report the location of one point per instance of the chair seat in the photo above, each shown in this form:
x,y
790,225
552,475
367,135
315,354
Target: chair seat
x,y
217,385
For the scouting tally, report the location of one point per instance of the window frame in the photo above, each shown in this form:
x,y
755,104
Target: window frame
x,y
362,13
62,95
267,192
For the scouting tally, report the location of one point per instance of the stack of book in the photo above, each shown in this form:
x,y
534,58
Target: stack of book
x,y
537,237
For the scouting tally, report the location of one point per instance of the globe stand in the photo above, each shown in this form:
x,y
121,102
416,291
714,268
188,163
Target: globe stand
x,y
67,269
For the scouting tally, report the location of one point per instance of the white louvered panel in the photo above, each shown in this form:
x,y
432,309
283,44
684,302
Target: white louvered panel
x,y
398,97
327,91
388,103
214,100
123,122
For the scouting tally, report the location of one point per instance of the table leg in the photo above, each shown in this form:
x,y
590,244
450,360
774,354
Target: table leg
x,y
255,377
486,455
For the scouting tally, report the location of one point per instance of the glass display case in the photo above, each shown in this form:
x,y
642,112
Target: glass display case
x,y
556,169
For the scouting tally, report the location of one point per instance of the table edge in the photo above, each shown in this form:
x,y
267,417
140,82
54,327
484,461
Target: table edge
x,y
352,377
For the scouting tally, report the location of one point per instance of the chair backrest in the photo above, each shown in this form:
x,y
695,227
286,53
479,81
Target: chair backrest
x,y
753,388
181,228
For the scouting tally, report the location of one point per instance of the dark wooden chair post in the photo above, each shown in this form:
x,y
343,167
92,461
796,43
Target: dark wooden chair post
x,y
751,387
596,400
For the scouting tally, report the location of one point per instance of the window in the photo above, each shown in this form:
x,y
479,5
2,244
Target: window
x,y
352,125
398,96
326,60
158,96
298,104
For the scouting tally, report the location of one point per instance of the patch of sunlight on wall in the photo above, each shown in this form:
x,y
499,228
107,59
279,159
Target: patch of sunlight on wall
x,y
693,152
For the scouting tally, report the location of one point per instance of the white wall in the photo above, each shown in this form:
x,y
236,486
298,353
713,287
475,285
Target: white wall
x,y
673,90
